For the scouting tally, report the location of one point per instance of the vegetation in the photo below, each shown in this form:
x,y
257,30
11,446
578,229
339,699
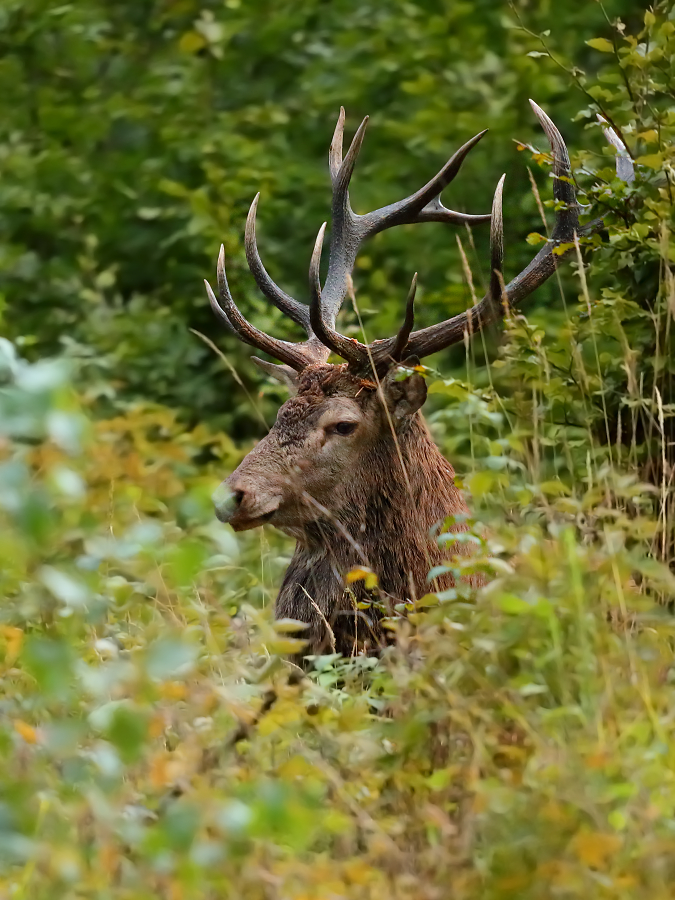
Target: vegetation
x,y
517,740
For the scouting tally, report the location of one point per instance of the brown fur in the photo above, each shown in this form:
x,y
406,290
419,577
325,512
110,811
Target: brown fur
x,y
369,499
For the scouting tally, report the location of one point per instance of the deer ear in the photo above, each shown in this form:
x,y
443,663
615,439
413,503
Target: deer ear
x,y
284,374
404,396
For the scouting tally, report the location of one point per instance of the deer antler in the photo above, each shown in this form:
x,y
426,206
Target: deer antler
x,y
349,231
380,355
492,306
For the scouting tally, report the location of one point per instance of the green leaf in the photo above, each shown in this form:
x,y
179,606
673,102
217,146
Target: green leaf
x,y
513,605
601,44
49,660
65,588
651,160
482,482
128,731
169,657
191,42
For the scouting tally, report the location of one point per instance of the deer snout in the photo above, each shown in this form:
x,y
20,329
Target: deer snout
x,y
243,508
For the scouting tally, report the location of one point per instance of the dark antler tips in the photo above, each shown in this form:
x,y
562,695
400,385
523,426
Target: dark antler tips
x,y
401,341
471,143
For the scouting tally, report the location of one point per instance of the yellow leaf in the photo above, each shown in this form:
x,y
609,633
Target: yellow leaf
x,y
27,732
296,767
534,238
288,626
553,487
13,640
283,646
595,848
173,690
597,760
358,871
159,770
601,44
361,573
650,19
191,42
108,858
158,724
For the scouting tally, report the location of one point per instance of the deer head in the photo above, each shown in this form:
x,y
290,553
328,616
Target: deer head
x,y
347,418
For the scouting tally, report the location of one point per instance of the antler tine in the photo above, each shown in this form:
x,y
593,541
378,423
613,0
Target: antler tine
x,y
434,211
335,150
566,219
437,337
452,330
347,348
291,354
401,342
497,246
298,312
424,205
346,170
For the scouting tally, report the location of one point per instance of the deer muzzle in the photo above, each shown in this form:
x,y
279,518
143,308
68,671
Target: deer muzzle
x,y
243,509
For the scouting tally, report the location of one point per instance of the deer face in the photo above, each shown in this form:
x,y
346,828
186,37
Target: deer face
x,y
323,440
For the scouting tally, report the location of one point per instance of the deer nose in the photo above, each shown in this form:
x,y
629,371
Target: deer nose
x,y
226,502
243,507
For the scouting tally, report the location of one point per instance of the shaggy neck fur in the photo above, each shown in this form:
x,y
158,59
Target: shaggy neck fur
x,y
388,533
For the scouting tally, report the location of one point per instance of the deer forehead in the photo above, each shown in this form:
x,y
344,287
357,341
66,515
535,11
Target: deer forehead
x,y
300,416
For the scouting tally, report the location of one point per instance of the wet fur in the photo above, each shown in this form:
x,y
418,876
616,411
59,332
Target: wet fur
x,y
388,519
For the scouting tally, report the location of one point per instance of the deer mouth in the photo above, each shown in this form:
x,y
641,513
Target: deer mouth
x,y
243,523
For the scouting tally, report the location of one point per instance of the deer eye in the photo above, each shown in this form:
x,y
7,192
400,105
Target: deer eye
x,y
344,428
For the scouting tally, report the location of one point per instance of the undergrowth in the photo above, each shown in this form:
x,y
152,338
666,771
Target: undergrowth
x,y
517,740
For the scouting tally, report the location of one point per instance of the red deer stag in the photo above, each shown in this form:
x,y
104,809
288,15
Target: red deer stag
x,y
349,469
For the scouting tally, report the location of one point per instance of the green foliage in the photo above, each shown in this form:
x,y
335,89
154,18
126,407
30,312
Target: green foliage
x,y
134,135
516,740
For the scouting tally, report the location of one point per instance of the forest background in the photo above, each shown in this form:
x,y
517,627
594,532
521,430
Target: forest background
x,y
516,740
